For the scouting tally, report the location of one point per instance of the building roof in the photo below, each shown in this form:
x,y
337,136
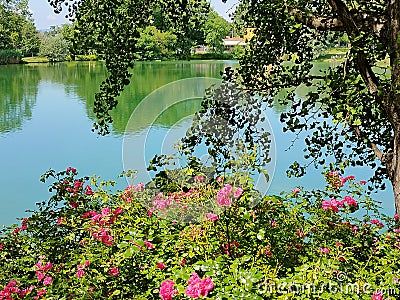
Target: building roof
x,y
234,41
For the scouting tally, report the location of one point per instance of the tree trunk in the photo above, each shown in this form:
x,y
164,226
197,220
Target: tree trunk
x,y
396,172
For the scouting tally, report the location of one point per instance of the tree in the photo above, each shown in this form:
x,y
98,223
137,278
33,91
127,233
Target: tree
x,y
155,44
216,29
17,30
353,109
54,46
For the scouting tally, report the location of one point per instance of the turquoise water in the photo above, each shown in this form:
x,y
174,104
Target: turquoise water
x,y
46,120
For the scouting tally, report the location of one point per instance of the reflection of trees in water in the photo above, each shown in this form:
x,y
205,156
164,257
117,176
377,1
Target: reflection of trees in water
x,y
85,78
18,92
19,85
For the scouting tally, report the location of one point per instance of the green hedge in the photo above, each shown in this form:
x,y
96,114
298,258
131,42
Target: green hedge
x,y
211,55
10,57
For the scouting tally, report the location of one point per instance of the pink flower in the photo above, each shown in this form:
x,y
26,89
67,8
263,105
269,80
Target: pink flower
x,y
78,184
105,211
148,245
70,169
161,266
1,246
220,178
118,211
224,195
324,250
396,217
167,290
397,230
396,280
88,190
114,271
377,296
47,281
198,287
350,201
39,275
363,182
296,190
377,223
80,273
333,173
198,178
273,224
339,244
26,291
212,217
40,294
331,204
238,192
61,221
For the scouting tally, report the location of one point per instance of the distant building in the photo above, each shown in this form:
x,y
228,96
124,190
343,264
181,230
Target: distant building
x,y
230,43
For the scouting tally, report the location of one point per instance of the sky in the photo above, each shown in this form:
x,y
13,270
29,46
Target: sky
x,y
45,17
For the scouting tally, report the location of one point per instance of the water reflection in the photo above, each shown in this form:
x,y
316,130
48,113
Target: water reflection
x,y
18,92
19,86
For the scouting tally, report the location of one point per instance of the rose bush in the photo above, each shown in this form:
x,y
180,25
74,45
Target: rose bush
x,y
86,242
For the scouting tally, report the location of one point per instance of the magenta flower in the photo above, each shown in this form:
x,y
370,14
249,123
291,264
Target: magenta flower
x,y
198,178
47,280
377,295
105,211
80,273
148,245
212,217
350,201
40,294
70,169
224,195
238,192
88,190
167,290
324,250
114,271
161,266
198,287
39,275
296,190
1,246
396,217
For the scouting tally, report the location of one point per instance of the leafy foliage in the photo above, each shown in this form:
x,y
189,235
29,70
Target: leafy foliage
x,y
86,242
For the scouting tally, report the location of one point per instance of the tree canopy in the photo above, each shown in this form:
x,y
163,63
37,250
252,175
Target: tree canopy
x,y
17,31
352,109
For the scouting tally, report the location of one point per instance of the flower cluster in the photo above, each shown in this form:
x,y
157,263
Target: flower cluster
x,y
102,221
12,289
167,290
80,272
336,180
22,227
198,287
127,194
227,194
334,204
41,272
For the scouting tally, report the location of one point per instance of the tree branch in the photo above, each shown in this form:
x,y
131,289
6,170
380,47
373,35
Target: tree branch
x,y
369,77
363,22
373,146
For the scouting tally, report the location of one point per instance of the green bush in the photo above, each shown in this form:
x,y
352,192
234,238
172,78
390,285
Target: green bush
x,y
88,57
88,243
10,57
212,55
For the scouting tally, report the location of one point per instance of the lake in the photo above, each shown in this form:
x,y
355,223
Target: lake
x,y
46,117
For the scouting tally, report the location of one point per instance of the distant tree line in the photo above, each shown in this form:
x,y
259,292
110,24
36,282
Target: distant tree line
x,y
160,40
